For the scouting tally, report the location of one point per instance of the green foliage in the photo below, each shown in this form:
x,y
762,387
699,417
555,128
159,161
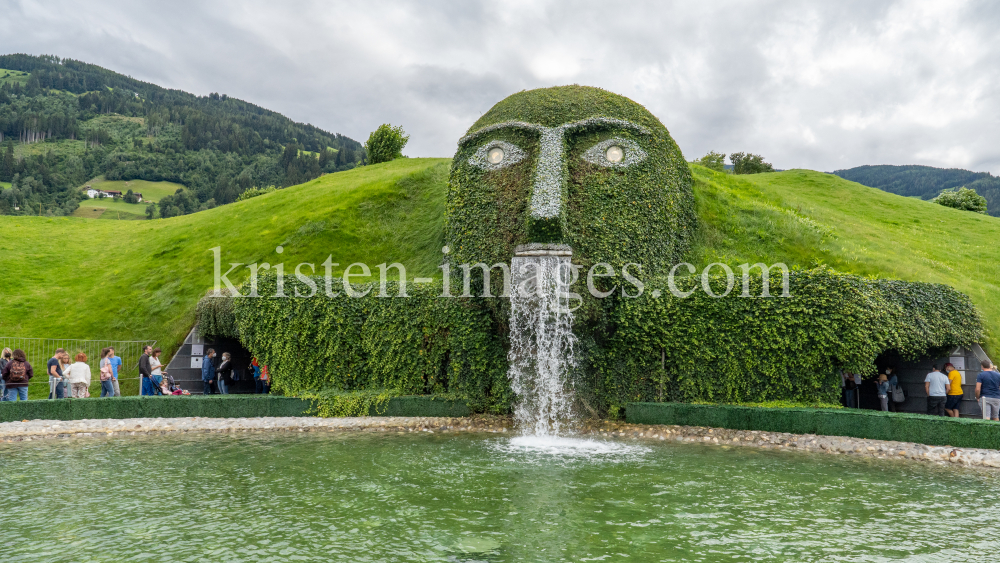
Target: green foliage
x,y
755,349
216,316
749,163
962,198
855,423
926,182
421,344
254,192
211,406
386,143
713,161
333,403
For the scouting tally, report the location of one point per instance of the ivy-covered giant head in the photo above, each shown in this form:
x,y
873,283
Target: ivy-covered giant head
x,y
573,165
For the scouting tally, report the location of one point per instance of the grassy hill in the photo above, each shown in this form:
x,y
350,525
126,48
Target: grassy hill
x,y
807,218
85,278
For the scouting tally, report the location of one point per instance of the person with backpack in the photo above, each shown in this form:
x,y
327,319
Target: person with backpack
x,y
16,375
988,390
4,360
107,374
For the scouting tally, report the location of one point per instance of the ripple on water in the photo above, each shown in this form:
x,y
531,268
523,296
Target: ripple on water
x,y
565,447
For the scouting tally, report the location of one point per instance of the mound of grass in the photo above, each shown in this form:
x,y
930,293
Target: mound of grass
x,y
85,278
805,218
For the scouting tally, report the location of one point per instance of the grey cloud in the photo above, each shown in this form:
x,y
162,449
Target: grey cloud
x,y
818,85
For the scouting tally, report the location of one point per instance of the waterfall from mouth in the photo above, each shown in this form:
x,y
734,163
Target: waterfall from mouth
x,y
541,339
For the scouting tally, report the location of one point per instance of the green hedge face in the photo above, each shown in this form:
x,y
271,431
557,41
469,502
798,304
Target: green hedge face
x,y
572,165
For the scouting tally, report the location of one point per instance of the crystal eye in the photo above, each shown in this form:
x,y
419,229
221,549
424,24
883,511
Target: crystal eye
x,y
497,154
614,154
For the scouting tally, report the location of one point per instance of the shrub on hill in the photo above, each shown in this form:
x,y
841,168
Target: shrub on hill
x,y
749,163
254,192
386,143
713,161
962,198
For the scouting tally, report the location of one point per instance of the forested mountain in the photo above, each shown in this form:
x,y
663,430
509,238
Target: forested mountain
x,y
926,182
63,122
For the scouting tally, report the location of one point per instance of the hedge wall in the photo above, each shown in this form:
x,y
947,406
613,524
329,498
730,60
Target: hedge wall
x,y
222,406
854,423
733,349
226,406
752,349
416,345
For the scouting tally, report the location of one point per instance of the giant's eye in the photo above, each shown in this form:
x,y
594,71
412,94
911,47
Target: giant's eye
x,y
615,153
496,154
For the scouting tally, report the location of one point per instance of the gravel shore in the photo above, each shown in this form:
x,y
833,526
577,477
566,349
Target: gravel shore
x,y
58,429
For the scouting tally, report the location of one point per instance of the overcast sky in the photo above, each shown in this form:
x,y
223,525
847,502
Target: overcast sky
x,y
822,85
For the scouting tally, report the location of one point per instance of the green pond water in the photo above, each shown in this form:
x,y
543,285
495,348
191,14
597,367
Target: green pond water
x,y
433,497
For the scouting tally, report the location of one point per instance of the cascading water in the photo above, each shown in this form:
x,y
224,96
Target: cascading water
x,y
541,339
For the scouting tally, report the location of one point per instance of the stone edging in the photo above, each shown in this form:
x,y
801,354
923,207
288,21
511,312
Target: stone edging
x,y
882,449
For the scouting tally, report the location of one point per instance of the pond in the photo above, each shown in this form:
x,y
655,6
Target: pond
x,y
477,497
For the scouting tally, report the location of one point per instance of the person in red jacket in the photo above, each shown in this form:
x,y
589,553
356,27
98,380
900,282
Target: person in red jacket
x,y
16,375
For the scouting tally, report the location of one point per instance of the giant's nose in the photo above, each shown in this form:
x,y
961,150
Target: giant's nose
x,y
546,216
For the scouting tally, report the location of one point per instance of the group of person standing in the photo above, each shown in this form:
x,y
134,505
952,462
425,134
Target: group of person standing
x,y
220,379
945,393
66,378
943,388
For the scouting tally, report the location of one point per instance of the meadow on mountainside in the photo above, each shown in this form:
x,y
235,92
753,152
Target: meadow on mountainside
x,y
64,121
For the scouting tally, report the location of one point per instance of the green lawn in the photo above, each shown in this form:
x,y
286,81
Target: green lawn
x,y
135,280
806,218
4,185
91,278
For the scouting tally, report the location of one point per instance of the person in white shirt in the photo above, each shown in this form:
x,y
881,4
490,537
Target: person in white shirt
x,y
157,367
937,386
78,374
